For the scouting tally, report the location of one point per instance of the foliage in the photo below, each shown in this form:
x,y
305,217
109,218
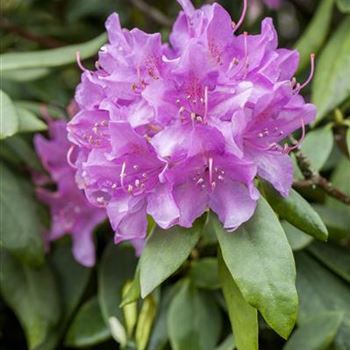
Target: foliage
x,y
273,283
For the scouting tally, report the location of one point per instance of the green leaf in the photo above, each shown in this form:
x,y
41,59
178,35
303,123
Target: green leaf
x,y
117,266
316,334
261,262
204,273
335,257
21,149
145,322
317,146
194,320
315,34
9,119
227,344
297,239
20,228
72,278
36,108
88,327
320,290
336,220
164,253
28,121
344,5
348,139
340,179
21,75
243,317
51,58
159,336
32,295
297,211
331,85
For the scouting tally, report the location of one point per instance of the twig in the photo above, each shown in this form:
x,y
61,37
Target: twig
x,y
152,12
313,178
41,40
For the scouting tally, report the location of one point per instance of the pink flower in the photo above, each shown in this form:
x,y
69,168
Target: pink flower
x,y
70,211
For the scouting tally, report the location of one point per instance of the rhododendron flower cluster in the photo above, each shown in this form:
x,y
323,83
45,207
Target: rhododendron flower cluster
x,y
70,211
172,130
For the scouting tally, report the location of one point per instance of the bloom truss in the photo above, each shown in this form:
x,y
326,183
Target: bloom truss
x,y
171,130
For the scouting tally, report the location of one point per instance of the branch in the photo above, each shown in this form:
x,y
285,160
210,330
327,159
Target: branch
x,y
41,40
313,179
152,12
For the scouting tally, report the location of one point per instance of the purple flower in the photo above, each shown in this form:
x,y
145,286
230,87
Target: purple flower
x,y
174,130
70,211
273,4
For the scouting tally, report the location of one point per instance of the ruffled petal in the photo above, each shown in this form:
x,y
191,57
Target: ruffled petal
x,y
233,204
162,207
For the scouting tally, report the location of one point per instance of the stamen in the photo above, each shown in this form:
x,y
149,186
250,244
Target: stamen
x,y
210,163
287,149
200,180
246,64
241,19
122,174
312,70
205,102
79,62
69,155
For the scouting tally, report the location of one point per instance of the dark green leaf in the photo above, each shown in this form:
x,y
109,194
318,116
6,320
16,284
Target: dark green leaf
x,y
340,179
21,149
32,295
336,220
297,239
51,58
117,266
9,119
204,273
227,344
72,277
348,139
297,211
344,5
261,262
316,334
88,327
317,146
194,320
331,85
243,317
316,32
159,336
20,226
164,253
335,257
320,290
